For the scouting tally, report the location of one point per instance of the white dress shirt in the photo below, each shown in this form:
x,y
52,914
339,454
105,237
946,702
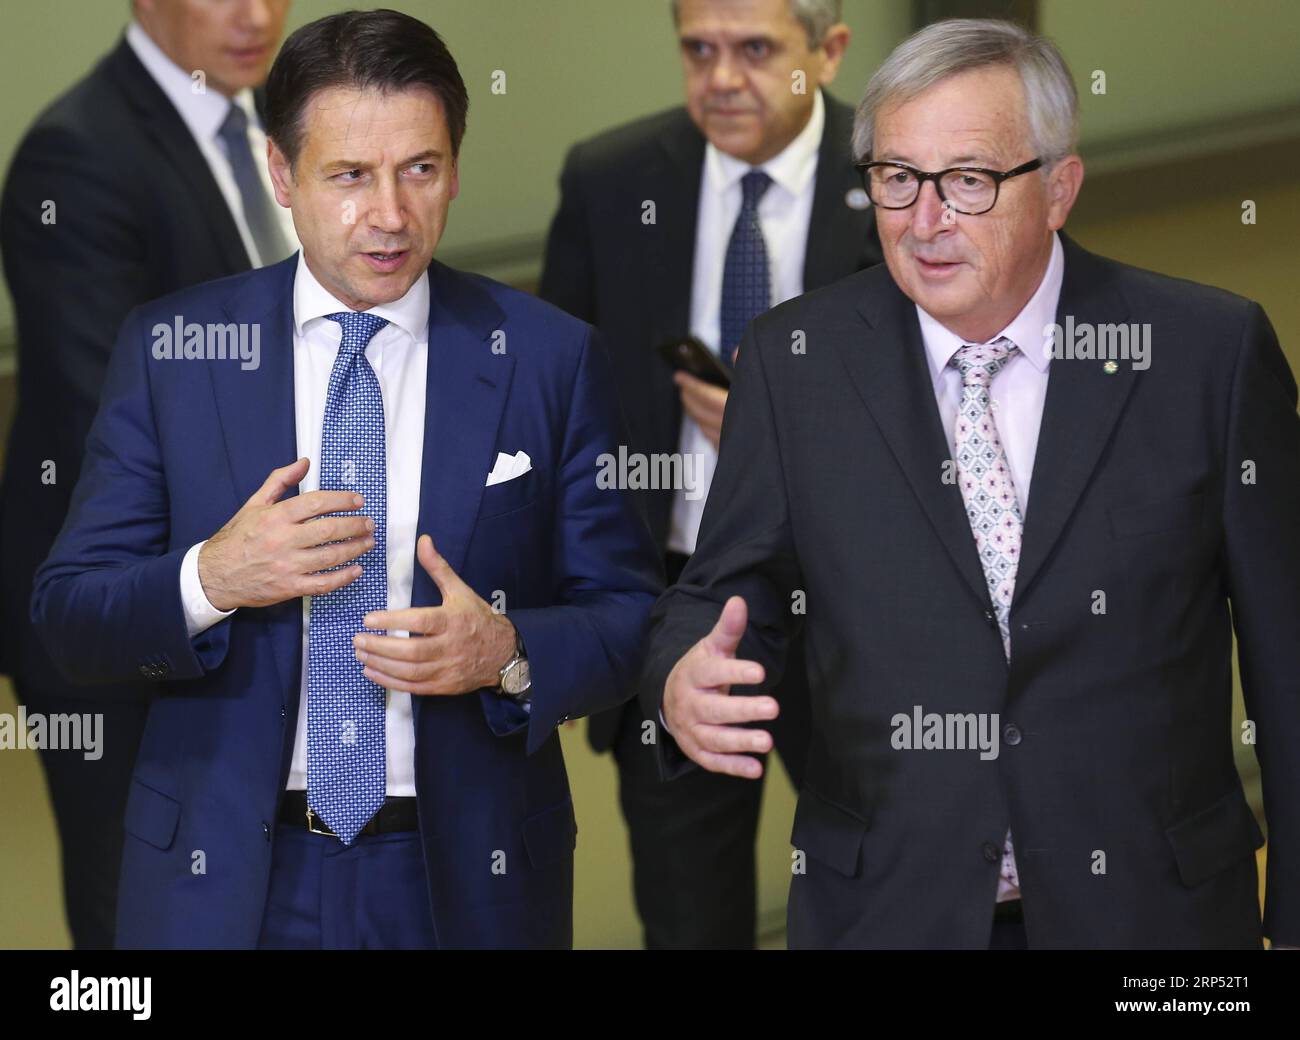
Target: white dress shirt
x,y
1017,393
399,355
203,113
784,213
1020,386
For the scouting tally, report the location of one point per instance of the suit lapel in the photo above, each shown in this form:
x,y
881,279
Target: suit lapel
x,y
837,234
467,386
892,378
256,411
1082,407
163,123
675,185
257,405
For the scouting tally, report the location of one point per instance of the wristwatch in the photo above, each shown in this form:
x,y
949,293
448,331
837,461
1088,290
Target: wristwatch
x,y
516,680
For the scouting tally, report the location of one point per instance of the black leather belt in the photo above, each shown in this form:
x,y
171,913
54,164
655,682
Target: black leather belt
x,y
1009,910
396,814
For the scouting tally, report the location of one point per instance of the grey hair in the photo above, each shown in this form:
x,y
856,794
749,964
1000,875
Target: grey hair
x,y
816,17
959,45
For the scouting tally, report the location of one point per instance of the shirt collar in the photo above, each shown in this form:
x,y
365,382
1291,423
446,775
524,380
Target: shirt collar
x,y
790,170
202,113
1028,330
312,301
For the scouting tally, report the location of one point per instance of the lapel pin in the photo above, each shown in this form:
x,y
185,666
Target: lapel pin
x,y
1110,368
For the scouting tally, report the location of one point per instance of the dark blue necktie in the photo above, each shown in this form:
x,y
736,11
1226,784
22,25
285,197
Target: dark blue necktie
x,y
345,710
259,210
746,281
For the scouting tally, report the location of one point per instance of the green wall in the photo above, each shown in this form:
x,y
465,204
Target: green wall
x,y
1178,64
1185,79
572,68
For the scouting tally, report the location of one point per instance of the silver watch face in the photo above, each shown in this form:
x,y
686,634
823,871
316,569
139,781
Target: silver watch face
x,y
517,679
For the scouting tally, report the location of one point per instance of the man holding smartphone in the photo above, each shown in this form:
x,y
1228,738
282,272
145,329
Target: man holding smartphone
x,y
674,232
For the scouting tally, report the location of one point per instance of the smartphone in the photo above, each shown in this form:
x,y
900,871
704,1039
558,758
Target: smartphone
x,y
690,355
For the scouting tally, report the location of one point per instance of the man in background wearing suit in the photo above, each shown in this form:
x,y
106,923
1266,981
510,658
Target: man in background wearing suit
x,y
348,785
146,177
755,200
1021,688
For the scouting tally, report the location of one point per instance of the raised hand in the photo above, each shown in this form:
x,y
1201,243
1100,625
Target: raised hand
x,y
702,716
458,647
272,550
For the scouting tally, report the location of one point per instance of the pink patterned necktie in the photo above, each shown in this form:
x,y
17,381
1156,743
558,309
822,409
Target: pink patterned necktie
x,y
992,508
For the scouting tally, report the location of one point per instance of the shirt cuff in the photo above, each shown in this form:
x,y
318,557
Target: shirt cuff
x,y
200,614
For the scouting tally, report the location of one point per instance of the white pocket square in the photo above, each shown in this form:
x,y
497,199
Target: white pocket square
x,y
508,467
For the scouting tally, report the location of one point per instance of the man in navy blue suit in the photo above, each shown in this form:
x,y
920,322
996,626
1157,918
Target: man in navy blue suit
x,y
353,740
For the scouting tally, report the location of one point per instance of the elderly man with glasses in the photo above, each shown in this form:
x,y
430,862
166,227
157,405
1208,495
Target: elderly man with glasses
x,y
1023,546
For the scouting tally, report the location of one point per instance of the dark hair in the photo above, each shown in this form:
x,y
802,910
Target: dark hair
x,y
383,50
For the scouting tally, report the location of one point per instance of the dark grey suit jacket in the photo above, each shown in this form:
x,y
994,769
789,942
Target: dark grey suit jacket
x,y
1115,769
138,215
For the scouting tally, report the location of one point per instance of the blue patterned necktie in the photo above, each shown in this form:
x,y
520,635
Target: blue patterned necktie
x,y
345,710
746,280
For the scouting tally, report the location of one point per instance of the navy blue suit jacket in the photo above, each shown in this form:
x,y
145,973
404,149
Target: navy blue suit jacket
x,y
179,445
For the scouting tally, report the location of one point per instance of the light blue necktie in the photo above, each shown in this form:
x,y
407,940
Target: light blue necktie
x,y
345,710
746,279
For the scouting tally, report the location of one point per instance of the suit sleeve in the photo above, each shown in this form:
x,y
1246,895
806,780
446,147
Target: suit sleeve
x,y
1262,533
107,601
584,652
568,270
76,264
744,549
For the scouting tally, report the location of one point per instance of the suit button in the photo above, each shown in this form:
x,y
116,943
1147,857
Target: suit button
x,y
283,713
266,831
1011,734
992,853
990,617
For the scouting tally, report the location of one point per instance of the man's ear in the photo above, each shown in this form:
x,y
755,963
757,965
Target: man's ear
x,y
1063,185
834,43
281,173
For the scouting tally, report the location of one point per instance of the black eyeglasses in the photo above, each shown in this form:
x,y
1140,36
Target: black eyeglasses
x,y
970,190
